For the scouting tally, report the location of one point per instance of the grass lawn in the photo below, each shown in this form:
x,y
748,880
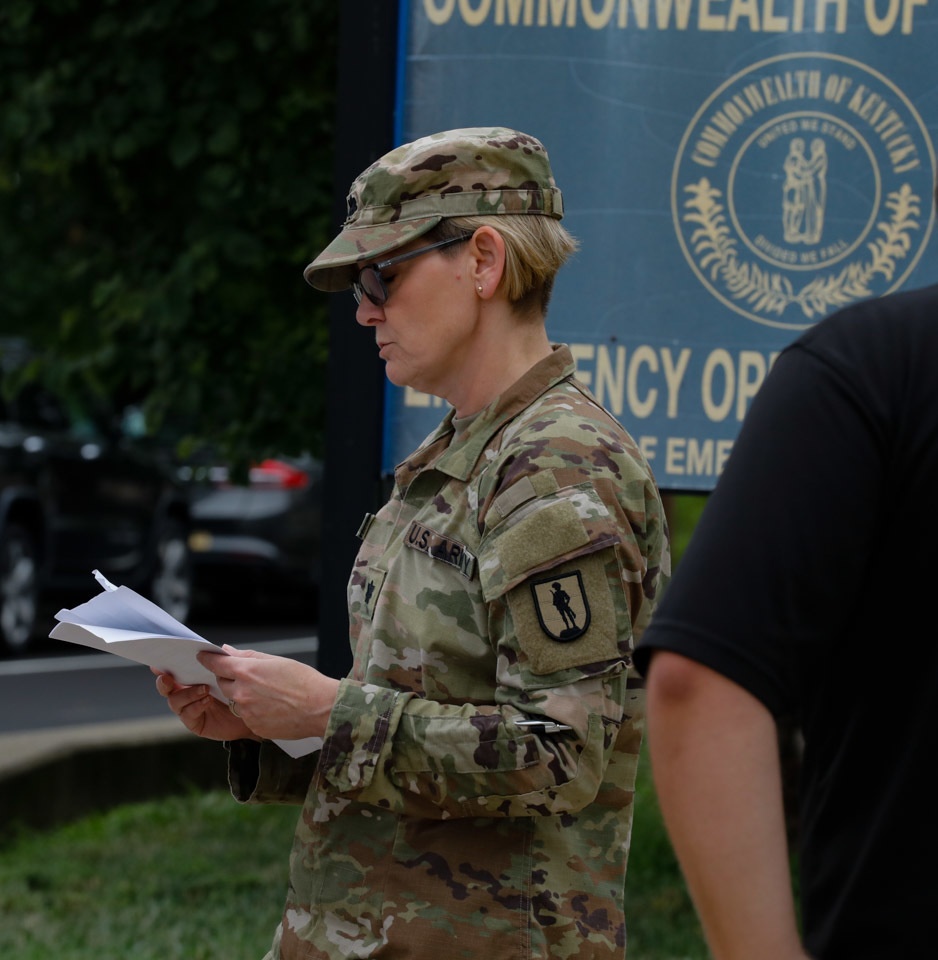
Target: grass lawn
x,y
202,878
187,878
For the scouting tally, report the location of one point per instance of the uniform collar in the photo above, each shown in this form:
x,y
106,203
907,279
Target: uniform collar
x,y
459,460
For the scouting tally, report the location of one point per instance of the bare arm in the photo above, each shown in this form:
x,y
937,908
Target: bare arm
x,y
714,753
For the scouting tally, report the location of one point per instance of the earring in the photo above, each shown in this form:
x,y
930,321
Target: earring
x,y
479,288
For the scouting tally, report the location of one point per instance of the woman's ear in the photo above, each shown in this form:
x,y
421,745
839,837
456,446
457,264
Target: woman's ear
x,y
487,249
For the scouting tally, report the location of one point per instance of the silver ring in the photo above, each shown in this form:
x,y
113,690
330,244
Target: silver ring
x,y
233,707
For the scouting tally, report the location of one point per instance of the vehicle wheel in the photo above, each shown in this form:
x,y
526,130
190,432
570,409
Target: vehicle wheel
x,y
171,584
19,588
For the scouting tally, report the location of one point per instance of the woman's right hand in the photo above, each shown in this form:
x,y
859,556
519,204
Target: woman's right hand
x,y
204,715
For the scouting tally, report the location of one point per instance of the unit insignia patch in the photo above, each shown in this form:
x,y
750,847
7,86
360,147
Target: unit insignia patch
x,y
562,606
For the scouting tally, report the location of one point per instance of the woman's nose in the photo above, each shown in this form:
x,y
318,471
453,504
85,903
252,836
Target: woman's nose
x,y
367,313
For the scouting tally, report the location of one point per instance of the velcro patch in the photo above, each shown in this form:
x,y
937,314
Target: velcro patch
x,y
370,591
590,633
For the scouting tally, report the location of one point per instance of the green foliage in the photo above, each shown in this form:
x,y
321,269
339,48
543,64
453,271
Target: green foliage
x,y
165,175
660,917
683,510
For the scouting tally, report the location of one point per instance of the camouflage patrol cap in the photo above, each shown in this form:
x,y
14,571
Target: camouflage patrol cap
x,y
457,173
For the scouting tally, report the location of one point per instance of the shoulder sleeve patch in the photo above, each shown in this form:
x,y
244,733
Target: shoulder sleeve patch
x,y
568,618
562,607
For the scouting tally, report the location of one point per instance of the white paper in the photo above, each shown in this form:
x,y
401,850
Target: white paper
x,y
120,621
169,654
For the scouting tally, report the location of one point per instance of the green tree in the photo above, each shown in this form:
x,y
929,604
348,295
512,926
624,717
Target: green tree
x,y
165,174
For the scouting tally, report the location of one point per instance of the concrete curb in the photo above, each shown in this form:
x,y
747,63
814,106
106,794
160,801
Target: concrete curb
x,y
24,751
49,777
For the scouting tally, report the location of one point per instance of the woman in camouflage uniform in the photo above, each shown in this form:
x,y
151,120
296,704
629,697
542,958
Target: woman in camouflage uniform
x,y
473,793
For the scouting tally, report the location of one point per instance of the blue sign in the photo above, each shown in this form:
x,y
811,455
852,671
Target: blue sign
x,y
734,170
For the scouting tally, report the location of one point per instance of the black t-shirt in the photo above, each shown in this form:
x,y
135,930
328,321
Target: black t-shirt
x,y
811,582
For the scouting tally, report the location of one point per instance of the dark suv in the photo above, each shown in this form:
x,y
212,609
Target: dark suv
x,y
77,496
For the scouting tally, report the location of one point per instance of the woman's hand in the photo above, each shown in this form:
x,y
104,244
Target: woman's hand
x,y
203,714
277,698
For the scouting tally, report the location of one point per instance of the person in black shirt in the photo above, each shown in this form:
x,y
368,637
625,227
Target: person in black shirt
x,y
807,592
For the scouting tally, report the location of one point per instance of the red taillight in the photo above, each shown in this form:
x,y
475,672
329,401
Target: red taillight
x,y
276,473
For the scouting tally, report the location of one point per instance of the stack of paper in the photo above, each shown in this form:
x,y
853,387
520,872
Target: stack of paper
x,y
122,622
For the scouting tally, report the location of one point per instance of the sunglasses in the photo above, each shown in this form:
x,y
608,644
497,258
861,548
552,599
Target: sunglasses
x,y
370,283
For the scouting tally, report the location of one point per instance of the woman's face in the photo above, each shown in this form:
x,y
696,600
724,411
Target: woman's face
x,y
424,331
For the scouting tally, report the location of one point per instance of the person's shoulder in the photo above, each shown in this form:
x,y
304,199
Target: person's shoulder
x,y
882,339
906,315
570,400
569,414
564,429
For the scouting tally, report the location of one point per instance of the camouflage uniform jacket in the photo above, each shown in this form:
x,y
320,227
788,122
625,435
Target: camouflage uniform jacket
x,y
504,581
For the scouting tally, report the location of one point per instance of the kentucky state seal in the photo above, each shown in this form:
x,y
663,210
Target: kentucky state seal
x,y
803,183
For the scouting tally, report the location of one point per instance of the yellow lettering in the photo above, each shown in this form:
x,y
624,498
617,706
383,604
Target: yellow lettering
x,y
700,457
674,456
765,16
899,149
438,13
557,8
907,11
610,383
648,446
718,360
753,96
743,8
752,370
514,9
414,398
639,8
663,10
674,376
872,107
641,356
724,448
709,146
474,17
891,124
836,87
632,380
888,125
583,353
840,15
878,25
710,21
688,456
770,22
594,20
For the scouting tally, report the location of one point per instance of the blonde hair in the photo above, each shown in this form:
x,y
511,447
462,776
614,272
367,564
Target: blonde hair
x,y
536,247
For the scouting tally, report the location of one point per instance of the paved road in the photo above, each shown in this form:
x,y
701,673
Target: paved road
x,y
66,688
